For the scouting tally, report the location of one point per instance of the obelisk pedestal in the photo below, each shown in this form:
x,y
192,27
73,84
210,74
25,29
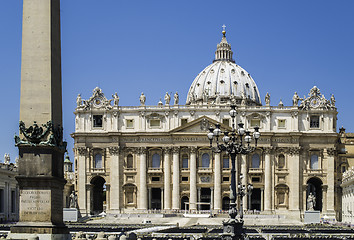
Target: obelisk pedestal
x,y
40,143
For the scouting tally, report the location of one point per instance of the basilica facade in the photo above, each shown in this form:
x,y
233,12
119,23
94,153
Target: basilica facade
x,y
140,158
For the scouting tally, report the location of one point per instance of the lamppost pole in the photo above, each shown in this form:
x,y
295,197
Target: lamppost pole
x,y
232,143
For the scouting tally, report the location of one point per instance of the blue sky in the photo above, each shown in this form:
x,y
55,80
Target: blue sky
x,y
156,47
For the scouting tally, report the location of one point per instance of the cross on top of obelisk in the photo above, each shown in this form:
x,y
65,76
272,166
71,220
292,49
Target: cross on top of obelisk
x,y
223,27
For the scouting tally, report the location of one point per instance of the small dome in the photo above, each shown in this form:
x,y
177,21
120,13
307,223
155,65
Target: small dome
x,y
67,159
223,81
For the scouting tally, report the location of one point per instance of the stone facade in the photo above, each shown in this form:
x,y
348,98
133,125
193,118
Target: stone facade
x,y
347,168
158,157
9,194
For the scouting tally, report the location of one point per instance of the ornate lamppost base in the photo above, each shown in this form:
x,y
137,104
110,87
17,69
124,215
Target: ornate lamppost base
x,y
232,229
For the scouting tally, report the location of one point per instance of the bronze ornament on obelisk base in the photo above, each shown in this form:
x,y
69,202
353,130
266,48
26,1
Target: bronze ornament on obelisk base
x,y
40,143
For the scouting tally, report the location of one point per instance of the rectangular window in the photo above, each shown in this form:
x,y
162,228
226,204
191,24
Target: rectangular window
x,y
185,163
184,179
281,123
155,123
255,122
97,121
225,162
13,201
314,122
130,123
225,179
256,179
226,121
2,199
184,121
155,179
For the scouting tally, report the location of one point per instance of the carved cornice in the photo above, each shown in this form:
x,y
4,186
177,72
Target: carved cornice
x,y
114,150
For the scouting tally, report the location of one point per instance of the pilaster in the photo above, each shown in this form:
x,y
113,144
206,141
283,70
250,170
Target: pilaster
x,y
175,180
193,178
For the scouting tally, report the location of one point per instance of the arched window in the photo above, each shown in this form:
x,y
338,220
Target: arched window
x,y
281,161
156,161
205,160
98,160
225,162
256,161
130,163
185,161
314,161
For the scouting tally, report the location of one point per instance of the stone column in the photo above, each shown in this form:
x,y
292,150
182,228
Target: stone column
x,y
167,179
142,204
193,178
294,180
81,180
267,180
175,180
217,182
329,155
244,179
114,177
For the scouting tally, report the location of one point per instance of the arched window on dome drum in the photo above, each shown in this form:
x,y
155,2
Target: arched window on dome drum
x,y
256,95
205,160
281,161
130,163
156,161
98,160
256,161
314,161
185,161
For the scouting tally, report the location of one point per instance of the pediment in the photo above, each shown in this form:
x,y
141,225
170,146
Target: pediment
x,y
200,125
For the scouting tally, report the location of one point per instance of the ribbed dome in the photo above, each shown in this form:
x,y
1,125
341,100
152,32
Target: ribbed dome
x,y
223,81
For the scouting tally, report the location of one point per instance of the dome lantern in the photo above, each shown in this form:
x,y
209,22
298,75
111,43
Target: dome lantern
x,y
223,50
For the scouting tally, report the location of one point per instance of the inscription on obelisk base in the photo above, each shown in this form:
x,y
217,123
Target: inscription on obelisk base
x,y
40,142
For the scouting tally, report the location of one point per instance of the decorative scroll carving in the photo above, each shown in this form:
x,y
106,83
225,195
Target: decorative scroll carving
x,y
193,149
294,150
82,151
331,151
113,150
175,150
267,150
204,124
142,150
205,179
45,135
316,100
166,150
97,100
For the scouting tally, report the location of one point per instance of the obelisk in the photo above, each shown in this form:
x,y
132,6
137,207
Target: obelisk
x,y
40,143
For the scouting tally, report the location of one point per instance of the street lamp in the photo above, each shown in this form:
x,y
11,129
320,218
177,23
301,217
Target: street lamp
x,y
235,142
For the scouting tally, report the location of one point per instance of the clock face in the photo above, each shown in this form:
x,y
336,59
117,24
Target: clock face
x,y
315,102
97,102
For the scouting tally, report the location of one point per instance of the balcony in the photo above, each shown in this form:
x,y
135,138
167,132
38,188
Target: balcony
x,y
155,170
255,171
205,170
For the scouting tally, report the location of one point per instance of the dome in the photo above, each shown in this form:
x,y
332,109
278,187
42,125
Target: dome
x,y
223,81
